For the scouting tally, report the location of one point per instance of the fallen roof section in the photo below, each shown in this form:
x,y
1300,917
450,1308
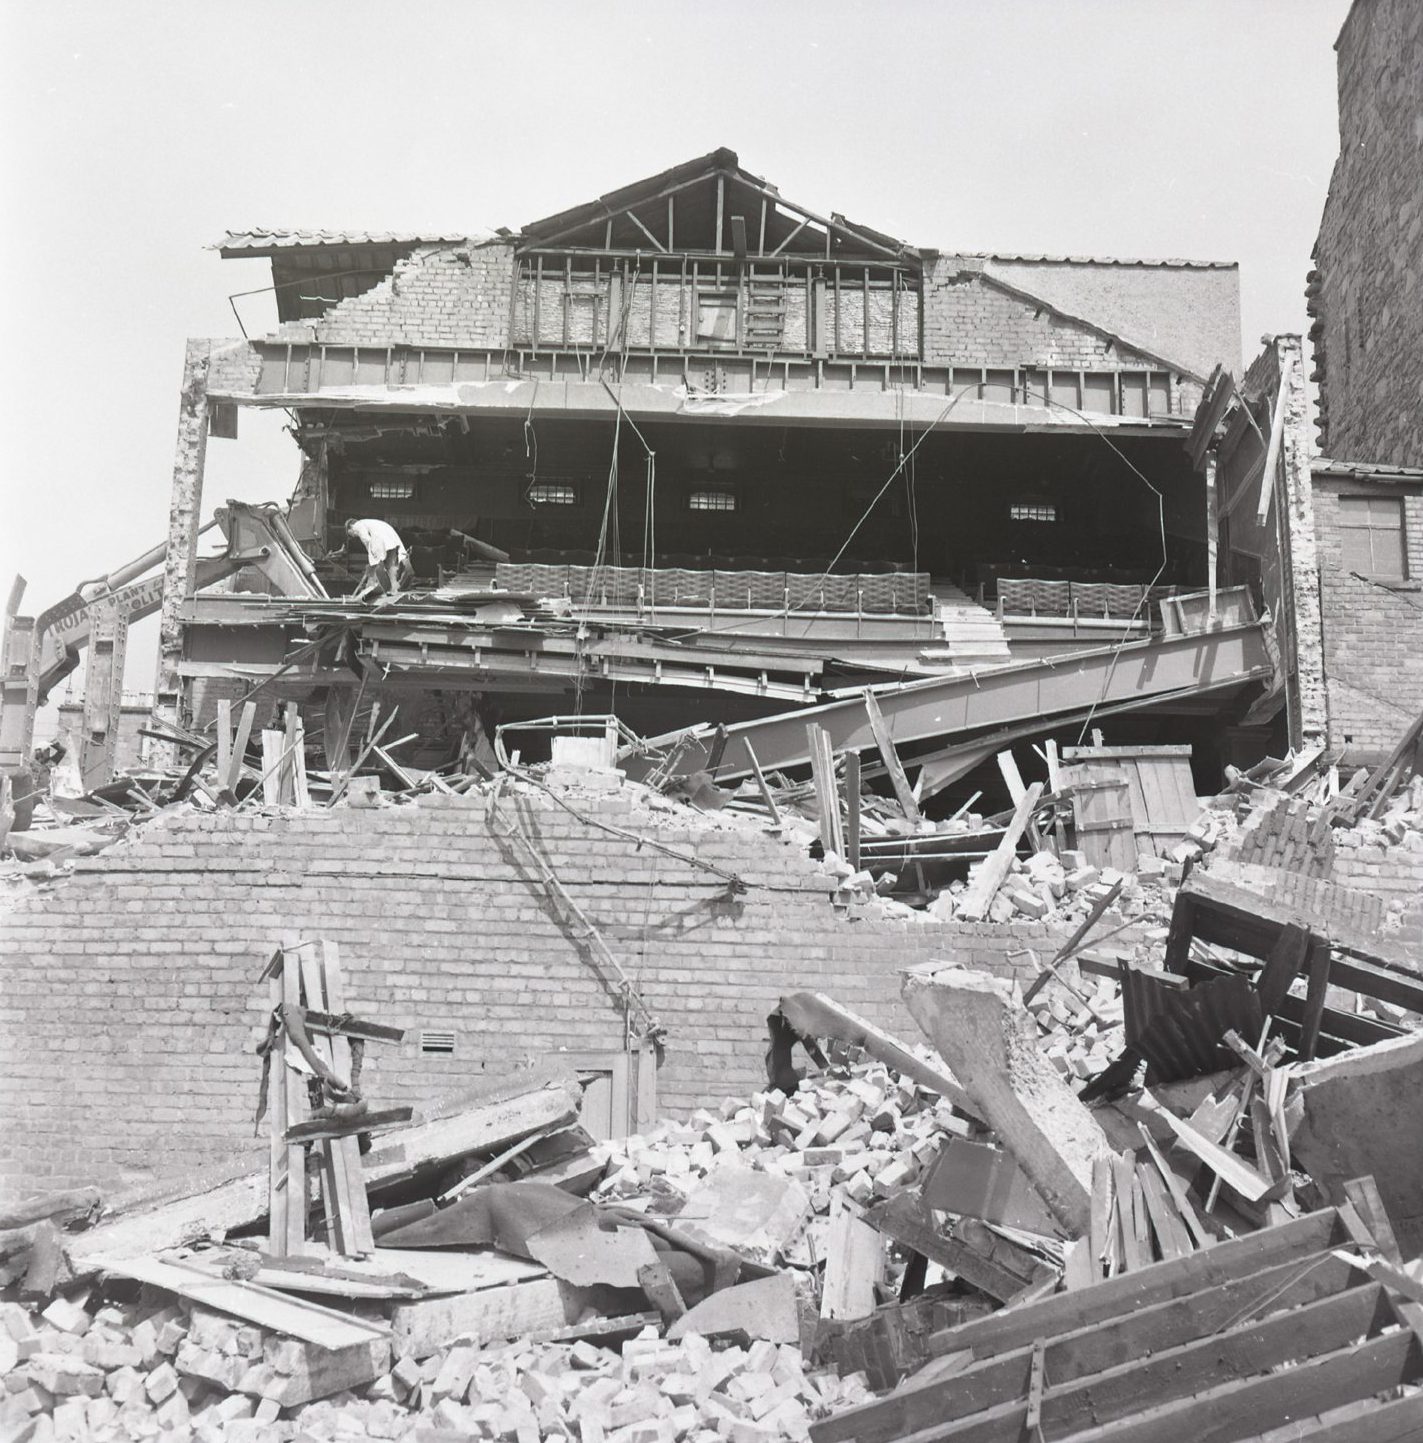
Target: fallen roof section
x,y
942,707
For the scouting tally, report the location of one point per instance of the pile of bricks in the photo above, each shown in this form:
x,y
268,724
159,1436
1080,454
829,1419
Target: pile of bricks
x,y
869,1133
127,1372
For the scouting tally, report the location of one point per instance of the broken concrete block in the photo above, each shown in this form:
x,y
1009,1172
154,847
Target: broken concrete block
x,y
67,1317
1357,1114
765,1308
65,1375
757,1213
990,1044
1027,901
161,1383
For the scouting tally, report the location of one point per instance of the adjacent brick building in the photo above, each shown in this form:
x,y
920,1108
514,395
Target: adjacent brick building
x,y
1366,293
1366,297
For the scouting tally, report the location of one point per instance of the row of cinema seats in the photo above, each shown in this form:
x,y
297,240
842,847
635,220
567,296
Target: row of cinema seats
x,y
626,586
686,561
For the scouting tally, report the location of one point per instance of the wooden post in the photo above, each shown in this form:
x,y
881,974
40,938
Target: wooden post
x,y
279,1182
766,795
346,1149
224,740
852,808
822,766
984,884
239,747
885,743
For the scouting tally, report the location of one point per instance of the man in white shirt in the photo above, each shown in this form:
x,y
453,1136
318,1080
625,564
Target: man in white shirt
x,y
387,561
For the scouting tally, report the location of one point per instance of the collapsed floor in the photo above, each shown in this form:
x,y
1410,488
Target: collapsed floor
x,y
883,1239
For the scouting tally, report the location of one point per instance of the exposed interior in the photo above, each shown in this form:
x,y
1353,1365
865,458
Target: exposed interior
x,y
968,508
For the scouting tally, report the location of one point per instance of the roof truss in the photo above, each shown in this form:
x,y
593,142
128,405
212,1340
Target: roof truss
x,y
711,206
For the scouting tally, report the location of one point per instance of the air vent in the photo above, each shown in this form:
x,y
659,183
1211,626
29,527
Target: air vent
x,y
439,1043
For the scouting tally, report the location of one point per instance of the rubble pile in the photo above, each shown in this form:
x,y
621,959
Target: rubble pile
x,y
139,1371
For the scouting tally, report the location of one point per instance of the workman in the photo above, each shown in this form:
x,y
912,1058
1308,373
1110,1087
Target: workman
x,y
387,561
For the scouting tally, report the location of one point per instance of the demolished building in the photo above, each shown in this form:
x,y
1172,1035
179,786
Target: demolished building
x,y
726,517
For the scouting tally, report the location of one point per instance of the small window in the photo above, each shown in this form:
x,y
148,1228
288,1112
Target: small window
x,y
1032,511
392,490
705,499
553,493
1371,536
439,1043
716,317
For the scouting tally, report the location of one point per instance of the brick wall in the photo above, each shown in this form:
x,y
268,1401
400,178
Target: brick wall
x,y
1369,253
130,990
1393,873
967,321
1187,313
1373,633
441,296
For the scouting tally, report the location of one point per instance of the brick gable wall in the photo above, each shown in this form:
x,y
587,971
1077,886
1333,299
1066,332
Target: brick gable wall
x,y
447,296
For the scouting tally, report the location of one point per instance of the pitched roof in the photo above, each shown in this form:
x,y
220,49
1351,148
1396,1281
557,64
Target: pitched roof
x,y
711,188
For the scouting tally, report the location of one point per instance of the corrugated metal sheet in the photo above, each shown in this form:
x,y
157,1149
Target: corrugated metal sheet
x,y
262,241
1172,261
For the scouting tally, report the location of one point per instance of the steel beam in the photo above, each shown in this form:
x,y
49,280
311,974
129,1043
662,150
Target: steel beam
x,y
944,707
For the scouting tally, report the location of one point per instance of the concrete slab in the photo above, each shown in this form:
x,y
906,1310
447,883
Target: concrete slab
x,y
990,1044
1357,1113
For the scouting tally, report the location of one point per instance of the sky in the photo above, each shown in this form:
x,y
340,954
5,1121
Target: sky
x,y
133,135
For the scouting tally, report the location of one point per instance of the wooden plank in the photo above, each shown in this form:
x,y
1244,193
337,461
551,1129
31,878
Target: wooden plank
x,y
1102,1183
1284,964
264,1306
224,738
988,877
1012,777
279,1182
827,797
502,1113
1366,1421
1100,1404
902,790
1226,1165
1120,1297
1172,1239
1244,1410
766,795
852,809
1185,1209
1136,1241
445,1270
1319,967
335,1191
487,1315
239,746
1095,1349
291,743
1075,941
272,751
854,1263
347,1148
297,1192
906,1220
1363,1193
